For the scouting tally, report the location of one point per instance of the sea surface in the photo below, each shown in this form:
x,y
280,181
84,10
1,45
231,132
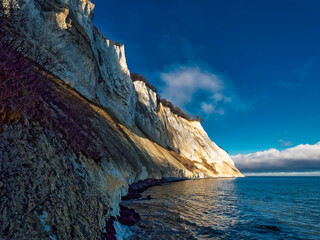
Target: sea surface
x,y
231,208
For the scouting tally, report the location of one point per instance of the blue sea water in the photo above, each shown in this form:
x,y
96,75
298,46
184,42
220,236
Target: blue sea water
x,y
231,208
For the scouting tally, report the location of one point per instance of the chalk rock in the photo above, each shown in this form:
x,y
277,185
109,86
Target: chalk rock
x,y
61,37
185,137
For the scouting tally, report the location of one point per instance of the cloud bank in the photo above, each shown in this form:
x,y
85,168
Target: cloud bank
x,y
301,157
287,174
182,83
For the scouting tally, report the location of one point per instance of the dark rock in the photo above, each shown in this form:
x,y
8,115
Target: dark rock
x,y
270,227
273,228
128,216
133,194
137,188
110,230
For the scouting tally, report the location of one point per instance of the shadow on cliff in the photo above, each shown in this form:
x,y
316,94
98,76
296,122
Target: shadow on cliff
x,y
64,160
35,103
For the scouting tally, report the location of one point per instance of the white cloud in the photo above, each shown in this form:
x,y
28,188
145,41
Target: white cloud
x,y
301,174
219,97
303,156
209,108
183,82
284,143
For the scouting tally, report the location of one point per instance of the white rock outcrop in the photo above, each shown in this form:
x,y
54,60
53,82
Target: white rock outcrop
x,y
64,169
186,138
60,36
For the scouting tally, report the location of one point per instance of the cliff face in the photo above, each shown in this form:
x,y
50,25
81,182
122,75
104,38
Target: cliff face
x,y
75,131
186,138
60,35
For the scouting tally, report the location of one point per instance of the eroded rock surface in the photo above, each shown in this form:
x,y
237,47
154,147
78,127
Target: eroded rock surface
x,y
60,36
52,186
75,131
186,138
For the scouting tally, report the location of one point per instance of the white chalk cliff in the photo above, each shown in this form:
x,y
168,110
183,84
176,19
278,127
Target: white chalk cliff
x,y
63,32
185,137
53,187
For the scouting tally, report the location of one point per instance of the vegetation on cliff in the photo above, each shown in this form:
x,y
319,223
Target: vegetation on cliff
x,y
65,160
174,109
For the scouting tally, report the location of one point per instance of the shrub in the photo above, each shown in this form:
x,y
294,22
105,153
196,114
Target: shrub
x,y
198,118
138,77
115,43
174,109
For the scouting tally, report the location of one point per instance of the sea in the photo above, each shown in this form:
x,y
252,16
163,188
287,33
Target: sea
x,y
230,208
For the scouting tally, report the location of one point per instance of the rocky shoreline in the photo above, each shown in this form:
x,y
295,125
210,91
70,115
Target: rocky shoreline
x,y
137,188
76,131
129,216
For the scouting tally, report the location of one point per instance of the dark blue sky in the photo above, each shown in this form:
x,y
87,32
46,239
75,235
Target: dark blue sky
x,y
252,67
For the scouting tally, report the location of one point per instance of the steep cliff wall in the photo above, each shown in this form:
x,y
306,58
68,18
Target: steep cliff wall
x,y
60,36
64,161
75,131
186,138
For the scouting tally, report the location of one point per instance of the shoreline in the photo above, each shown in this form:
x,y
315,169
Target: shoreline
x,y
135,189
128,216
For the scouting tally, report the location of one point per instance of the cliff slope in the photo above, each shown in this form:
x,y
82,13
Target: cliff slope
x,y
187,138
75,130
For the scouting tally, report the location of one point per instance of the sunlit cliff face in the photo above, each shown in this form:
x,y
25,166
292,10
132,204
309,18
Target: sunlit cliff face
x,y
61,37
71,138
63,144
185,137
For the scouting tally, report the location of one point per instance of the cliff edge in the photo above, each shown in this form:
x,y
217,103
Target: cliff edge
x,y
75,131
